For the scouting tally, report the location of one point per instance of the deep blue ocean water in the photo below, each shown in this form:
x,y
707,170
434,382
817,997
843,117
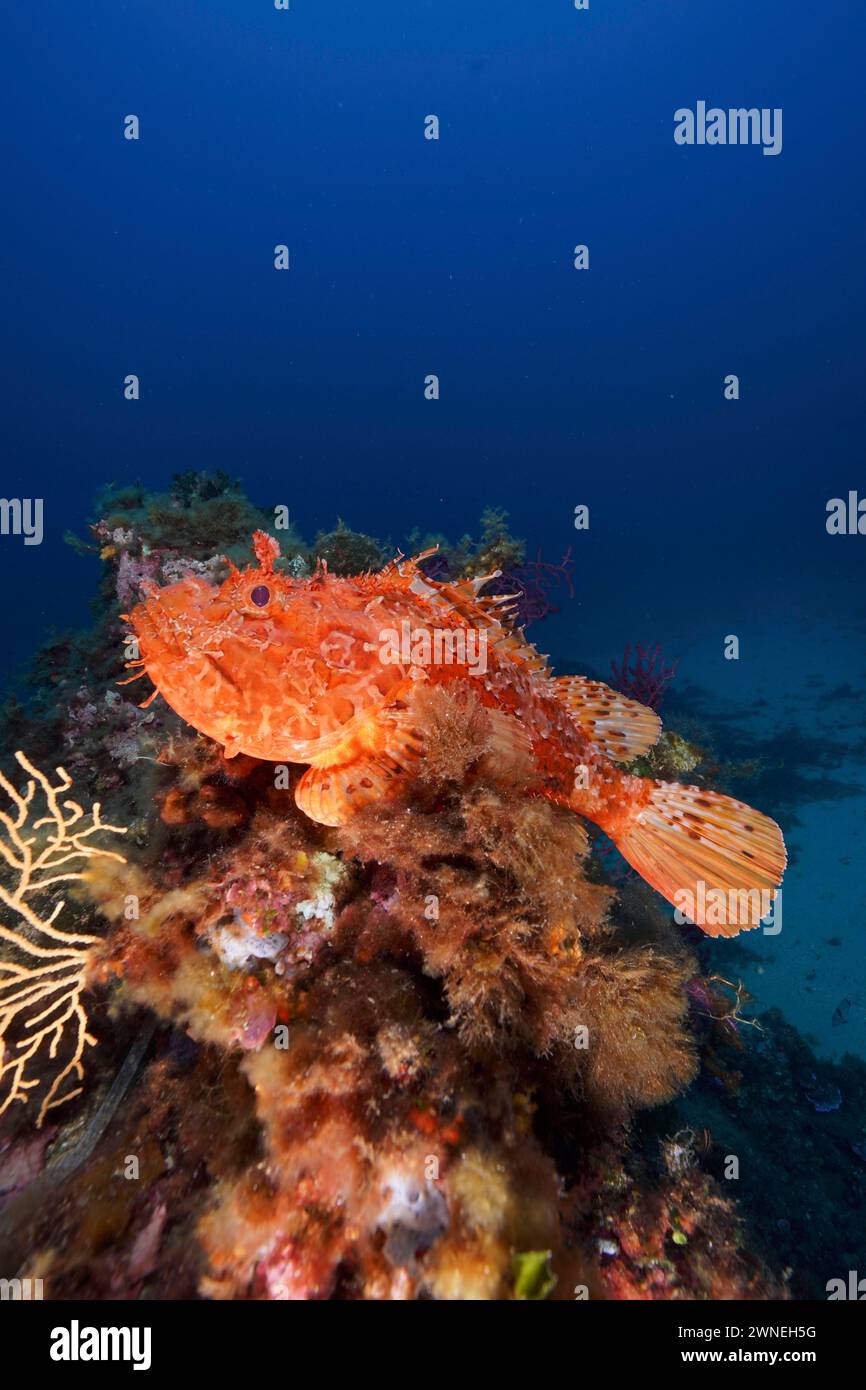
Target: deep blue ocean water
x,y
454,257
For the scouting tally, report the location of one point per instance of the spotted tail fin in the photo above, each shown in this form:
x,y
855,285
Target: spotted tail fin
x,y
716,859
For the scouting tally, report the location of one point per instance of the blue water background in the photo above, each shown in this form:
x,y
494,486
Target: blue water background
x,y
411,257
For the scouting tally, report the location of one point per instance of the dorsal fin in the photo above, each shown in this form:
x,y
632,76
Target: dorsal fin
x,y
622,728
493,612
488,613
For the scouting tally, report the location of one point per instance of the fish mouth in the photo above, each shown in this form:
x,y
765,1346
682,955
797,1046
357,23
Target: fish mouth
x,y
178,621
156,629
177,637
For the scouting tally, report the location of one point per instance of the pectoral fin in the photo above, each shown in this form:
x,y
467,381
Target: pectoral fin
x,y
332,795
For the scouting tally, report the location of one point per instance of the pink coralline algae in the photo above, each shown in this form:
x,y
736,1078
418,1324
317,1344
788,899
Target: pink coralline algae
x,y
174,569
647,679
139,563
288,927
22,1161
123,730
132,572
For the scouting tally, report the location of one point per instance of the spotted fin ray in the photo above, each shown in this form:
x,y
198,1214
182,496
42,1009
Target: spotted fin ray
x,y
622,728
716,859
389,751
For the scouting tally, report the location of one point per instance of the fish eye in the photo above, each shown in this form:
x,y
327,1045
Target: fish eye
x,y
260,595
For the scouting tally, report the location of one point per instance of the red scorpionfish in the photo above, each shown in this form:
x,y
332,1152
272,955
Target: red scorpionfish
x,y
323,671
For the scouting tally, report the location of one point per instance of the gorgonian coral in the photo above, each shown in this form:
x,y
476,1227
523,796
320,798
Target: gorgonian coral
x,y
647,678
45,841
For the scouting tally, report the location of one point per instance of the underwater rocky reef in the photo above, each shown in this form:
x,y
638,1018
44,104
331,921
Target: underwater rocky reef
x,y
451,1049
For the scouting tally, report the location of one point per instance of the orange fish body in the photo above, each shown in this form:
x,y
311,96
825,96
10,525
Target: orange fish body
x,y
324,671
